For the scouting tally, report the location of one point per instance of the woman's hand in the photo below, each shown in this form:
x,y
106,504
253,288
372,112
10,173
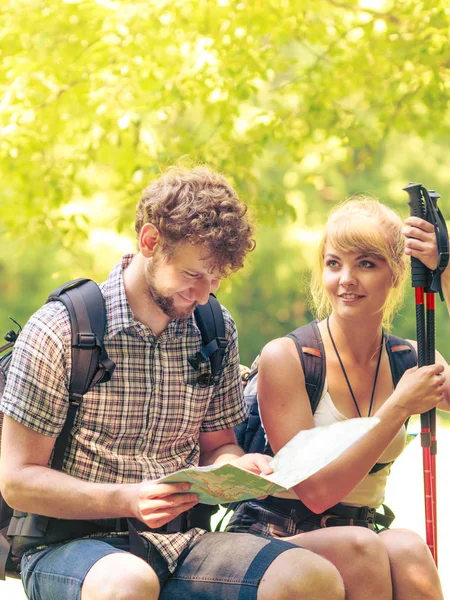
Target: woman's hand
x,y
256,463
420,389
421,241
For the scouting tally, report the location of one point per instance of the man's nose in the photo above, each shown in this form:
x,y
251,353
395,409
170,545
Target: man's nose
x,y
202,290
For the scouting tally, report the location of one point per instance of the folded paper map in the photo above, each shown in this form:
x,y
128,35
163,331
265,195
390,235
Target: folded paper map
x,y
305,454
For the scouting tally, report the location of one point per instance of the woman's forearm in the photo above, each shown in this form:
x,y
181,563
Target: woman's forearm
x,y
333,483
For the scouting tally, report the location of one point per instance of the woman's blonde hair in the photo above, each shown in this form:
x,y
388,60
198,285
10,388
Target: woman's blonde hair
x,y
363,224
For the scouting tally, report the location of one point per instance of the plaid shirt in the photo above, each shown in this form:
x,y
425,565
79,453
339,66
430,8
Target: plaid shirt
x,y
145,422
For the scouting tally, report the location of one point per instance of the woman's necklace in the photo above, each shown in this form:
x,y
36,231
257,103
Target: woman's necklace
x,y
345,374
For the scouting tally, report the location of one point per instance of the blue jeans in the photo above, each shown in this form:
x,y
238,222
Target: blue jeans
x,y
235,564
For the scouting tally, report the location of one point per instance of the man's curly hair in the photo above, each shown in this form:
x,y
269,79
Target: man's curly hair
x,y
201,207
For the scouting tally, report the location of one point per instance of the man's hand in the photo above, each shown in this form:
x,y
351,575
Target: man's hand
x,y
158,503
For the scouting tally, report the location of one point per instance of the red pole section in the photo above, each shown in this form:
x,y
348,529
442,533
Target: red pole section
x,y
429,508
431,359
419,295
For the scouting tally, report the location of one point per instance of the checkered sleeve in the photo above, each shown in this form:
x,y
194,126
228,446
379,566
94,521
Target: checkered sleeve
x,y
36,393
227,408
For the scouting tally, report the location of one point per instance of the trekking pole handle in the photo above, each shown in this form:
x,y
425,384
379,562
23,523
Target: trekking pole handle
x,y
417,208
440,227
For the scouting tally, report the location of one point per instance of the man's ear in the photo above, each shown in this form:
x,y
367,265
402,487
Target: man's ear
x,y
149,239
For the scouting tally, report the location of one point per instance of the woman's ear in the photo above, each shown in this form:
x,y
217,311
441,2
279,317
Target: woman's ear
x,y
149,239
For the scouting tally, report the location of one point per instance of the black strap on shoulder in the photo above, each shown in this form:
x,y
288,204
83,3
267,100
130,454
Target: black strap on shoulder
x,y
90,365
90,362
402,356
86,306
210,321
311,351
308,341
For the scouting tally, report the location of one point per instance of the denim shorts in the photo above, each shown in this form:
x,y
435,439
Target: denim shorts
x,y
219,566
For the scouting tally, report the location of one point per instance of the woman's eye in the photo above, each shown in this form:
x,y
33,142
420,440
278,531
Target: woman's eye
x,y
331,263
367,264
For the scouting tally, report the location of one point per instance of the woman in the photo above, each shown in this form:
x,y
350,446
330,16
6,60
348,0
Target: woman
x,y
356,287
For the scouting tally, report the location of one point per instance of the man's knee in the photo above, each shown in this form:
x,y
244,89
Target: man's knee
x,y
121,576
298,573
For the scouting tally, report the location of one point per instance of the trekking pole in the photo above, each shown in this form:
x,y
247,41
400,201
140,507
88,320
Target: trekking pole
x,y
431,415
423,204
419,280
430,360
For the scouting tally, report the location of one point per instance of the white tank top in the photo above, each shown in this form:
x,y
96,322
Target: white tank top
x,y
370,491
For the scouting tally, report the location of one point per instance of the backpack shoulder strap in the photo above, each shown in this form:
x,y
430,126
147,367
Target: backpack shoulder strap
x,y
311,352
90,362
86,306
210,321
402,356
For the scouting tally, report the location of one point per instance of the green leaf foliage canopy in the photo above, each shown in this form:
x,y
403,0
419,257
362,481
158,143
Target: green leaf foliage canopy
x,y
299,103
103,94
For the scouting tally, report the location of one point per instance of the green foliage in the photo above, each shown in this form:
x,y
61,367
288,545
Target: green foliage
x,y
100,95
298,103
267,298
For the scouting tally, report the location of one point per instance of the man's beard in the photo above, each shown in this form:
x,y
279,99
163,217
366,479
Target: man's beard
x,y
164,303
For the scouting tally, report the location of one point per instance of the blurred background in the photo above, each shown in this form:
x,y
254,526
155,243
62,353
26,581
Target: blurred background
x,y
299,104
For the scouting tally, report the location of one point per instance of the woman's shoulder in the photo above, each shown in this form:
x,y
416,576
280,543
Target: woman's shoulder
x,y
280,360
278,348
276,345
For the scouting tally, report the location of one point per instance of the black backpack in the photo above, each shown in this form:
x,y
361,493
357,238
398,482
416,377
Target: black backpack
x,y
91,366
251,436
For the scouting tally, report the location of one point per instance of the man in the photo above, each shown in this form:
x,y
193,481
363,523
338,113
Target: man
x,y
150,420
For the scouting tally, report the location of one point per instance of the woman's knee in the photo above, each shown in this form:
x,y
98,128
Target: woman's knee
x,y
411,563
121,576
357,553
298,573
405,546
356,548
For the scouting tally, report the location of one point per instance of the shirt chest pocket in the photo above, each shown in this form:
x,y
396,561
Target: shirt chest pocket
x,y
185,413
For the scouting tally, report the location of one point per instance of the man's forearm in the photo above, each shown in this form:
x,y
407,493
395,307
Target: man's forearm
x,y
225,453
51,493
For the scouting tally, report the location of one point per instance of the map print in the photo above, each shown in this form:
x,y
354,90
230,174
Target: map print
x,y
305,454
220,484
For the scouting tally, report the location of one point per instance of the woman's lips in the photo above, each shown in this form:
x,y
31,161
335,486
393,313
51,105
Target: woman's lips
x,y
350,298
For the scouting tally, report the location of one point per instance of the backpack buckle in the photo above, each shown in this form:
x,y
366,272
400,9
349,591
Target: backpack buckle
x,y
366,514
195,361
218,343
222,343
86,341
